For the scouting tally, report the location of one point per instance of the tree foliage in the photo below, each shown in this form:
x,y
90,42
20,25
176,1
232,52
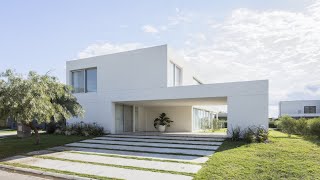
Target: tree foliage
x,y
37,97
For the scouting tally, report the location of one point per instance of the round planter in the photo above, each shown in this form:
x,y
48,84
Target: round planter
x,y
161,128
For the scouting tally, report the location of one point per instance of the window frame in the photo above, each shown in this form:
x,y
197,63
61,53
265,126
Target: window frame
x,y
174,74
84,70
307,109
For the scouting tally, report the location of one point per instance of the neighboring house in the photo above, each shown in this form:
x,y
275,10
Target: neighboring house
x,y
125,91
300,108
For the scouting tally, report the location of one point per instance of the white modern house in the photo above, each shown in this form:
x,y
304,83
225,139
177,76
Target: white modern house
x,y
126,91
300,108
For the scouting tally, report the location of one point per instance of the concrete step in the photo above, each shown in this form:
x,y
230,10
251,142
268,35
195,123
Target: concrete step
x,y
150,144
167,166
145,149
167,137
160,141
98,170
183,158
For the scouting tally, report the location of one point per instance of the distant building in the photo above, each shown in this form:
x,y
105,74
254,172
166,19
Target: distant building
x,y
300,108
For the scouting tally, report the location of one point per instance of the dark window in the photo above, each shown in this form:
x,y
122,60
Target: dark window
x,y
84,80
309,109
91,80
77,81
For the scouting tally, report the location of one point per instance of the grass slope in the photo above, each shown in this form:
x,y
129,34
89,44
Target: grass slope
x,y
13,145
282,158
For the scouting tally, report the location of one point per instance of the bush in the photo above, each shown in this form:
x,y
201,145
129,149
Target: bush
x,y
314,126
287,124
235,134
255,134
261,134
84,129
249,135
301,126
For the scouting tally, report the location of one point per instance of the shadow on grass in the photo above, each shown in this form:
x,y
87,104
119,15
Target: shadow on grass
x,y
228,144
312,139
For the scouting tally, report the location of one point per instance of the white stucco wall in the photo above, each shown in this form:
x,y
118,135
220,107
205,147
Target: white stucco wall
x,y
181,115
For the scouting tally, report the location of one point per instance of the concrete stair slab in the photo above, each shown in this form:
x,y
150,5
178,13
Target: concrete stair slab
x,y
182,158
145,149
167,137
98,170
161,141
150,144
167,166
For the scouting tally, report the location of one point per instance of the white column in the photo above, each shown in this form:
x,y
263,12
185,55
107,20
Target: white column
x,y
134,118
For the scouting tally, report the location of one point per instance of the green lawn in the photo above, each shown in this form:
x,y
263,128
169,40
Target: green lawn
x,y
282,158
13,145
222,130
7,131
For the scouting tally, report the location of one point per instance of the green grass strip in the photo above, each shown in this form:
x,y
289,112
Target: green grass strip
x,y
58,171
117,166
136,158
146,146
127,150
101,138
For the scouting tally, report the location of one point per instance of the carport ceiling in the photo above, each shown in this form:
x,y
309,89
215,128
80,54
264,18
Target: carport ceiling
x,y
180,102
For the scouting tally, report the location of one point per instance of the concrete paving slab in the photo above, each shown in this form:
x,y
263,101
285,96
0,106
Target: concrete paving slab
x,y
160,141
148,144
5,175
166,137
144,149
183,158
168,166
97,170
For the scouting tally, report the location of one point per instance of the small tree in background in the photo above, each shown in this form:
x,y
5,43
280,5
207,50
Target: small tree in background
x,y
38,98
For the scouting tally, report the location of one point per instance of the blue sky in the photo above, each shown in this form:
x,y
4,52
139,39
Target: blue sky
x,y
43,35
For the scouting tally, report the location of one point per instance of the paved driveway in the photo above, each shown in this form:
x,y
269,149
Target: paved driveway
x,y
128,156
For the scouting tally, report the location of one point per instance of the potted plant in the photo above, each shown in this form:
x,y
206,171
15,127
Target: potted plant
x,y
162,122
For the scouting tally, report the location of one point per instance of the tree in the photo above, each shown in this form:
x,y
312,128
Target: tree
x,y
38,98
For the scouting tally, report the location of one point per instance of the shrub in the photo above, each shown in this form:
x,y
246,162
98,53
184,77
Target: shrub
x,y
261,134
255,134
84,129
315,127
235,134
301,126
249,135
287,124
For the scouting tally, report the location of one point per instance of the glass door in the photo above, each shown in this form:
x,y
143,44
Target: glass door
x,y
124,118
119,118
128,118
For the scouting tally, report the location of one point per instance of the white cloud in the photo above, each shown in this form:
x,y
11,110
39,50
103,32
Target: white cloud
x,y
281,46
102,48
150,29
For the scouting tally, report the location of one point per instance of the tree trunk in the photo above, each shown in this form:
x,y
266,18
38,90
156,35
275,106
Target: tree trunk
x,y
37,137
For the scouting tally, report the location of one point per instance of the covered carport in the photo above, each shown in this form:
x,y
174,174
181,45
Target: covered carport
x,y
247,101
